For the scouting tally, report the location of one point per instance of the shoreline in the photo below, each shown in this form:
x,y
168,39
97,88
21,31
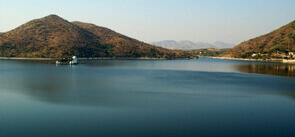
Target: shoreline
x,y
94,58
22,58
284,61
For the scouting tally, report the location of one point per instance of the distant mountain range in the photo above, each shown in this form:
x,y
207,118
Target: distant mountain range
x,y
189,45
55,37
278,41
276,44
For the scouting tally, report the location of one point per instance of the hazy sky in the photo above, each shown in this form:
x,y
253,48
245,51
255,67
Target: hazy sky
x,y
231,21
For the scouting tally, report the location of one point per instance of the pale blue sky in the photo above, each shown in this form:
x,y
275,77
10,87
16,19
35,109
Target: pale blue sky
x,y
153,20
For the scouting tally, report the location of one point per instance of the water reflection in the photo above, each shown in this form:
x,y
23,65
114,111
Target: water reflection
x,y
270,69
110,87
120,83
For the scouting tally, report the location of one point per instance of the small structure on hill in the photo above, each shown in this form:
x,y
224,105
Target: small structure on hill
x,y
289,58
291,54
254,54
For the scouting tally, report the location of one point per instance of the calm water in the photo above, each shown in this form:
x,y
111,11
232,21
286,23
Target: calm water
x,y
205,97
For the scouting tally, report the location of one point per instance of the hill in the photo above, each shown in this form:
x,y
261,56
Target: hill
x,y
273,45
128,47
50,36
55,37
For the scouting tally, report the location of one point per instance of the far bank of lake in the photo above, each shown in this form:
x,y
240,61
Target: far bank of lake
x,y
258,60
91,58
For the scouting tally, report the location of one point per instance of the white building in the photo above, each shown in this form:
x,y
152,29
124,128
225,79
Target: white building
x,y
74,61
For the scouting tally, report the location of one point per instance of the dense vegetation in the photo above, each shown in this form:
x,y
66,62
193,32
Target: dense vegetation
x,y
273,45
55,37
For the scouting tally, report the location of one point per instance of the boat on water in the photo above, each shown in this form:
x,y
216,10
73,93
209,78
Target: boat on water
x,y
70,61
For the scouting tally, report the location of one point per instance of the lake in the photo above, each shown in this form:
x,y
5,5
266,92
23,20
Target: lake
x,y
205,97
